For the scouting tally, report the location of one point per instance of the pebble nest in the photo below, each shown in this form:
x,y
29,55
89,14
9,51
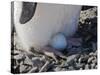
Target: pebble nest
x,y
81,57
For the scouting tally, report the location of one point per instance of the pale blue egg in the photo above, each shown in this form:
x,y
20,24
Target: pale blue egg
x,y
59,42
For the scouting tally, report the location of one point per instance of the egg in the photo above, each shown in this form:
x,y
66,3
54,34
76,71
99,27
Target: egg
x,y
59,42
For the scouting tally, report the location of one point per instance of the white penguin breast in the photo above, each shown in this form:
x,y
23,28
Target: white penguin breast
x,y
48,20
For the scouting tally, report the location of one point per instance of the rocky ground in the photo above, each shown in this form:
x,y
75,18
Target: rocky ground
x,y
80,57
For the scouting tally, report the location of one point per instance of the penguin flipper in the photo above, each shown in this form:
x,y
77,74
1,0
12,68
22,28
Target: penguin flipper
x,y
28,11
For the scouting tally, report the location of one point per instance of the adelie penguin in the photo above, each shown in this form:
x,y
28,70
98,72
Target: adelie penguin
x,y
45,26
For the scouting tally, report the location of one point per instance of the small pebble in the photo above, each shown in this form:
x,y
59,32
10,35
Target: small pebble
x,y
96,67
81,68
63,69
86,66
71,58
22,68
80,59
94,61
79,65
71,68
93,66
33,69
28,61
19,56
16,52
90,59
91,54
57,69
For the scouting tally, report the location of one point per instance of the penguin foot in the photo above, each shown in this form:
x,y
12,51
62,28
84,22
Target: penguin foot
x,y
51,52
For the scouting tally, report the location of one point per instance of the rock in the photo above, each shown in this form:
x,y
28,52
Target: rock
x,y
86,66
37,62
93,66
79,65
19,56
22,68
71,58
34,69
94,61
57,69
28,61
70,68
91,54
90,59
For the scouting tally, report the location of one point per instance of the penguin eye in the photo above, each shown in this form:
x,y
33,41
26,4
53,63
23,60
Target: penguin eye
x,y
28,10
